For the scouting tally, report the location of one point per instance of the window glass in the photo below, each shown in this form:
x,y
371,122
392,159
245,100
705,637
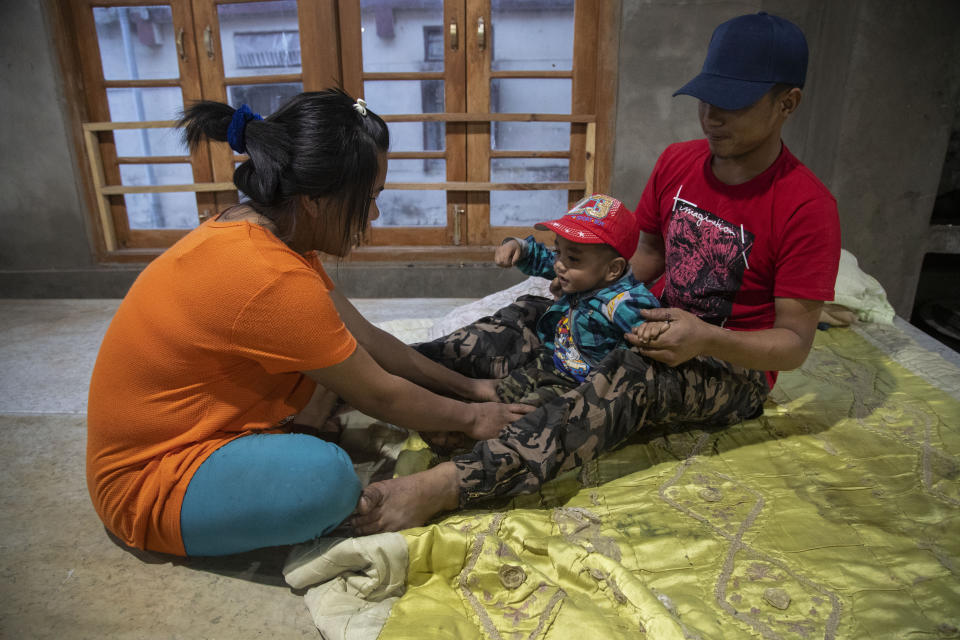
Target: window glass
x,y
530,95
530,136
159,210
259,38
399,35
144,105
426,170
529,170
532,36
409,96
525,208
401,208
262,98
136,43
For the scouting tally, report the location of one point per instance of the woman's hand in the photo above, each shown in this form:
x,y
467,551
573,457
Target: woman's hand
x,y
508,253
482,390
491,417
671,336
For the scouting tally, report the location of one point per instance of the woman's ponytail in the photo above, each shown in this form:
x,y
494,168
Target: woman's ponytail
x,y
267,145
205,119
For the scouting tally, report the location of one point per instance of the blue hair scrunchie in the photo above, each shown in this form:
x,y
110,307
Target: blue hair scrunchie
x,y
236,132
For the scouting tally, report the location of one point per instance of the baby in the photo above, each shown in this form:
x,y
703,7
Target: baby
x,y
599,299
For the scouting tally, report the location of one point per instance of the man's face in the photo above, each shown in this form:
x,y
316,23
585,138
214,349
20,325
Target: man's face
x,y
735,134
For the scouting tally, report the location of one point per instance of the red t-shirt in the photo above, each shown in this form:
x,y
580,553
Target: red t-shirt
x,y
207,346
732,249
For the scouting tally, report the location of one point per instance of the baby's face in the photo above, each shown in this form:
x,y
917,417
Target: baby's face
x,y
582,267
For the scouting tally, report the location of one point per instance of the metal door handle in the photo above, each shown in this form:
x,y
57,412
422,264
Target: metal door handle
x,y
208,41
454,43
481,33
180,51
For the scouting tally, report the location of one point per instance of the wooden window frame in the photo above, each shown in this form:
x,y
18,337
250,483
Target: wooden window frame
x,y
594,105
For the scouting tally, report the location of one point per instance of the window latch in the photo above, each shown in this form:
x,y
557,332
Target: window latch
x,y
457,231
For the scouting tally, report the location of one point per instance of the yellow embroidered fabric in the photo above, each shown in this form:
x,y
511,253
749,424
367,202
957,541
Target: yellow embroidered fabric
x,y
834,515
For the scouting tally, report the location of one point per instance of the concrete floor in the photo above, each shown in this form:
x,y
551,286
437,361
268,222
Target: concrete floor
x,y
62,574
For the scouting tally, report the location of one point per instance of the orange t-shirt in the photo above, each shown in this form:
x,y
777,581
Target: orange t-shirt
x,y
207,346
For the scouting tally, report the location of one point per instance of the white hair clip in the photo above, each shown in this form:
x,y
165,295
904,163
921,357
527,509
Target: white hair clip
x,y
361,106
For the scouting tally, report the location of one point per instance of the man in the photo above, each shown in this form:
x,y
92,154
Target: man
x,y
747,241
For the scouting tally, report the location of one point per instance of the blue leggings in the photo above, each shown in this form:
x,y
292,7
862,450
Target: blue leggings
x,y
265,490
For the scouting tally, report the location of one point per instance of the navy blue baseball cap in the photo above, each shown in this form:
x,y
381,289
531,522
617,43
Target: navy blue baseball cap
x,y
746,57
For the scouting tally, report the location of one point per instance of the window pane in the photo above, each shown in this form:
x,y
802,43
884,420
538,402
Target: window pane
x,y
530,95
404,96
259,38
416,136
150,103
530,136
532,36
262,98
412,209
525,208
142,105
409,96
529,170
138,175
159,210
399,35
136,43
426,170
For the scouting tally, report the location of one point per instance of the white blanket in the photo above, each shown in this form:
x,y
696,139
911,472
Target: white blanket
x,y
855,290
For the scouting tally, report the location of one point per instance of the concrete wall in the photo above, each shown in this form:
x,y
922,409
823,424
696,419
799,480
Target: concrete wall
x,y
874,125
42,216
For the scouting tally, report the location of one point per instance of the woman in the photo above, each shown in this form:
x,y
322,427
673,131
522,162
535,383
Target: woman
x,y
224,339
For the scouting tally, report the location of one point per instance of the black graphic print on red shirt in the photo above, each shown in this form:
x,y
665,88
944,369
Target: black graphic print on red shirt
x,y
706,257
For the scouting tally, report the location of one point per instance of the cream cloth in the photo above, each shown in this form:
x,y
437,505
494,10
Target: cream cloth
x,y
351,583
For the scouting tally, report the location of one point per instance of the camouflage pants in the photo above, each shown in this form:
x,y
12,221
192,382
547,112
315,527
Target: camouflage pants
x,y
575,422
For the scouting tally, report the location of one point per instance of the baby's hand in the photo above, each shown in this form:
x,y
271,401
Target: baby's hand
x,y
650,330
508,253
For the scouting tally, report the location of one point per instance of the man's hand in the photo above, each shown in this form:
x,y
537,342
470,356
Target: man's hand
x,y
491,417
780,348
508,253
671,336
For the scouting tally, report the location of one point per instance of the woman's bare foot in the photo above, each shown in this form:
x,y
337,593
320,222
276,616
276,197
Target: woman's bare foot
x,y
323,406
408,501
